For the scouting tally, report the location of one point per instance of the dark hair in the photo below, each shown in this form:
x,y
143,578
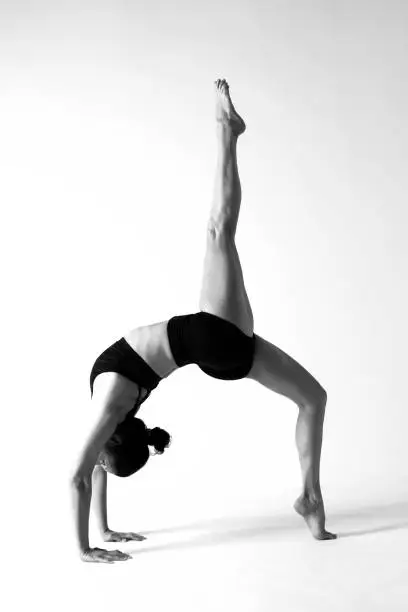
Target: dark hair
x,y
127,450
159,438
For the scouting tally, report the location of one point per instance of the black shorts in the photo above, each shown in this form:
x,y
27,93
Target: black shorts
x,y
218,347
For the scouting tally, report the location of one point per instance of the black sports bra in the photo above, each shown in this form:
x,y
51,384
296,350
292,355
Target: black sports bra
x,y
139,402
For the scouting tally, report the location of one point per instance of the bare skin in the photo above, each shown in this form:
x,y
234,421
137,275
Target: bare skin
x,y
309,427
225,111
313,513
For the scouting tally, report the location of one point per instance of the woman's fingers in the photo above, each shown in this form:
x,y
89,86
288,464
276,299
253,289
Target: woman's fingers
x,y
109,556
123,536
122,555
118,555
132,536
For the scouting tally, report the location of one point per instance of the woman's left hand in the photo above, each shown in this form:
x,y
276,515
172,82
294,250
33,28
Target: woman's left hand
x,y
121,536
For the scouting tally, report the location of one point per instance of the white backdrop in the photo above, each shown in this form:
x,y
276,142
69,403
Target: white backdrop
x,y
108,157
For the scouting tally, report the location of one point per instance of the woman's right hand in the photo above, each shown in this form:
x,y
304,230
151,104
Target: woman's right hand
x,y
100,555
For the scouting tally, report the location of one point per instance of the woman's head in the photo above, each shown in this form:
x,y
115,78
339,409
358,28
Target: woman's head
x,y
127,450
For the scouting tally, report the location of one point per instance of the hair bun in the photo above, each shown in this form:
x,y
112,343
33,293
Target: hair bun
x,y
159,438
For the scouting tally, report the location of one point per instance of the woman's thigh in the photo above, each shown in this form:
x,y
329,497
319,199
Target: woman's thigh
x,y
223,290
276,370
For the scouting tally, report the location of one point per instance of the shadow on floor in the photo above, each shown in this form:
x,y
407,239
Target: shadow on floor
x,y
392,516
232,529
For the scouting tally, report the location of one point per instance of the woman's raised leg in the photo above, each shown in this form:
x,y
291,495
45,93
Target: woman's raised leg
x,y
223,290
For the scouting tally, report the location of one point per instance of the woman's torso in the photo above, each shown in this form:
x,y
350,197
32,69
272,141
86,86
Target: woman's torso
x,y
218,348
151,342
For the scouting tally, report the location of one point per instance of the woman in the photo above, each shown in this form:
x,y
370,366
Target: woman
x,y
220,339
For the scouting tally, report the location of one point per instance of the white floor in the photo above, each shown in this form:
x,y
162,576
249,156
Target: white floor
x,y
243,564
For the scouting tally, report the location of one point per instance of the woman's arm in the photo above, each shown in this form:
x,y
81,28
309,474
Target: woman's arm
x,y
99,497
81,501
106,419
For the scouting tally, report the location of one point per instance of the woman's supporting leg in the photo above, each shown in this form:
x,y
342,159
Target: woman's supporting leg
x,y
309,435
277,371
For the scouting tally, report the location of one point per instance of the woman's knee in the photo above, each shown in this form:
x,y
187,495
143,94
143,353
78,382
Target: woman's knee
x,y
279,372
315,399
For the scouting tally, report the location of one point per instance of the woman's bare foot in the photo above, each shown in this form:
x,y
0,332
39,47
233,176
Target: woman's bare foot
x,y
225,111
313,513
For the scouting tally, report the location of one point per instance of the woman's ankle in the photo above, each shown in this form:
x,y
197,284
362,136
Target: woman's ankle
x,y
313,494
